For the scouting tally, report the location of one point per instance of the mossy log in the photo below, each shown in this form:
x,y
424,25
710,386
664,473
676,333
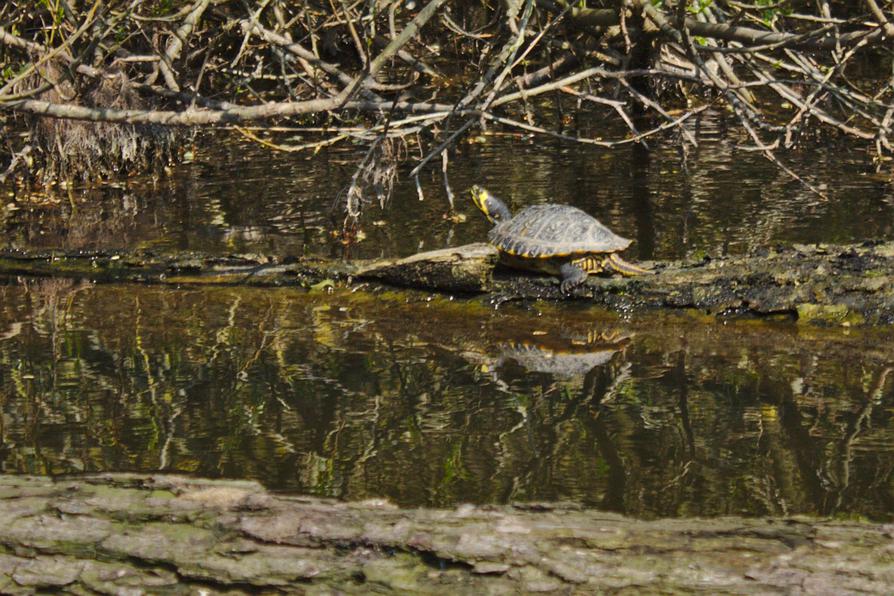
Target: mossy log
x,y
126,533
831,284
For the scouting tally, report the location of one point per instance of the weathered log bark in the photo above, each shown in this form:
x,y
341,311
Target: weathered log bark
x,y
122,533
846,284
467,268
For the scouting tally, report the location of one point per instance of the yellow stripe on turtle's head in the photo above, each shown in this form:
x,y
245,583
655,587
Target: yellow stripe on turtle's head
x,y
479,197
492,207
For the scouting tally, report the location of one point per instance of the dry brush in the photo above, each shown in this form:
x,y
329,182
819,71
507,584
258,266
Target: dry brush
x,y
105,85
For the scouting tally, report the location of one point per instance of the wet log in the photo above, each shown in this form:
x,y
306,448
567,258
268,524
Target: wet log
x,y
826,284
116,533
466,269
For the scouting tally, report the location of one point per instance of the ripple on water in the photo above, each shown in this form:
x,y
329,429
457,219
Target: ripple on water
x,y
438,402
723,198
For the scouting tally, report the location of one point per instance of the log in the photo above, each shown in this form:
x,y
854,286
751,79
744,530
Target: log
x,y
465,269
123,533
820,284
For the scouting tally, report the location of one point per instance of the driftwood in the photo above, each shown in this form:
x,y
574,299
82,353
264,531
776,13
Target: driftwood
x,y
127,533
844,284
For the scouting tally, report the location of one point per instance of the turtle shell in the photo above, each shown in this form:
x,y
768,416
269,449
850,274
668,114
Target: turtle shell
x,y
545,231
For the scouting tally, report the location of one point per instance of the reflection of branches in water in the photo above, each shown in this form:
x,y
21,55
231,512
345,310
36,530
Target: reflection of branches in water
x,y
547,425
341,401
603,392
871,398
401,412
825,472
245,358
164,413
687,464
35,393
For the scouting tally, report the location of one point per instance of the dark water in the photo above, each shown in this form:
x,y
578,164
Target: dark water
x,y
428,401
237,197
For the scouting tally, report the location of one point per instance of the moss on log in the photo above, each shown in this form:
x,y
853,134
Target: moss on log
x,y
128,533
825,284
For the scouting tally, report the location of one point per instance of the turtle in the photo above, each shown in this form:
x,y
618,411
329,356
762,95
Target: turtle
x,y
556,239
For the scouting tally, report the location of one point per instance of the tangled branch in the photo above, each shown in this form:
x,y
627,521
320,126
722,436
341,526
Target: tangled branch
x,y
372,72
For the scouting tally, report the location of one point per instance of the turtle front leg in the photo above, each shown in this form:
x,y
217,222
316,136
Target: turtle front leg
x,y
574,273
572,276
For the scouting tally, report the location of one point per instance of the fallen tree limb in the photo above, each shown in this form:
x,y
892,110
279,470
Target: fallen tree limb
x,y
117,532
193,117
841,285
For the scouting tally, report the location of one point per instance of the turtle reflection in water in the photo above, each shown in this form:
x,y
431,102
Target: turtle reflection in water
x,y
556,239
563,359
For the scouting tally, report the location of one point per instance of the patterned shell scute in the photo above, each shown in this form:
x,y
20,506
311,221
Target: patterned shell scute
x,y
543,231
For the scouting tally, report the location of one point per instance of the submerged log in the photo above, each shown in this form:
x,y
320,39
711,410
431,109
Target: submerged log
x,y
115,533
844,284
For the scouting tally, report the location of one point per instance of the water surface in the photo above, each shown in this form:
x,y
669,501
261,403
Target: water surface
x,y
717,199
427,401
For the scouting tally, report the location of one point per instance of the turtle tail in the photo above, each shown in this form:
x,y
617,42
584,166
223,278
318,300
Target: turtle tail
x,y
616,263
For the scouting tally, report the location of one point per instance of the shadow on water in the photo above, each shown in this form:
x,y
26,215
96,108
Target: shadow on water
x,y
427,401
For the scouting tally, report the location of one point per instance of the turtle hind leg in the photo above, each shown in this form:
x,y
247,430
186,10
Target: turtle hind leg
x,y
573,275
619,265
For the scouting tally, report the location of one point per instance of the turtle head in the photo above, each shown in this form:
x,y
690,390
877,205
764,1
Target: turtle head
x,y
493,208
